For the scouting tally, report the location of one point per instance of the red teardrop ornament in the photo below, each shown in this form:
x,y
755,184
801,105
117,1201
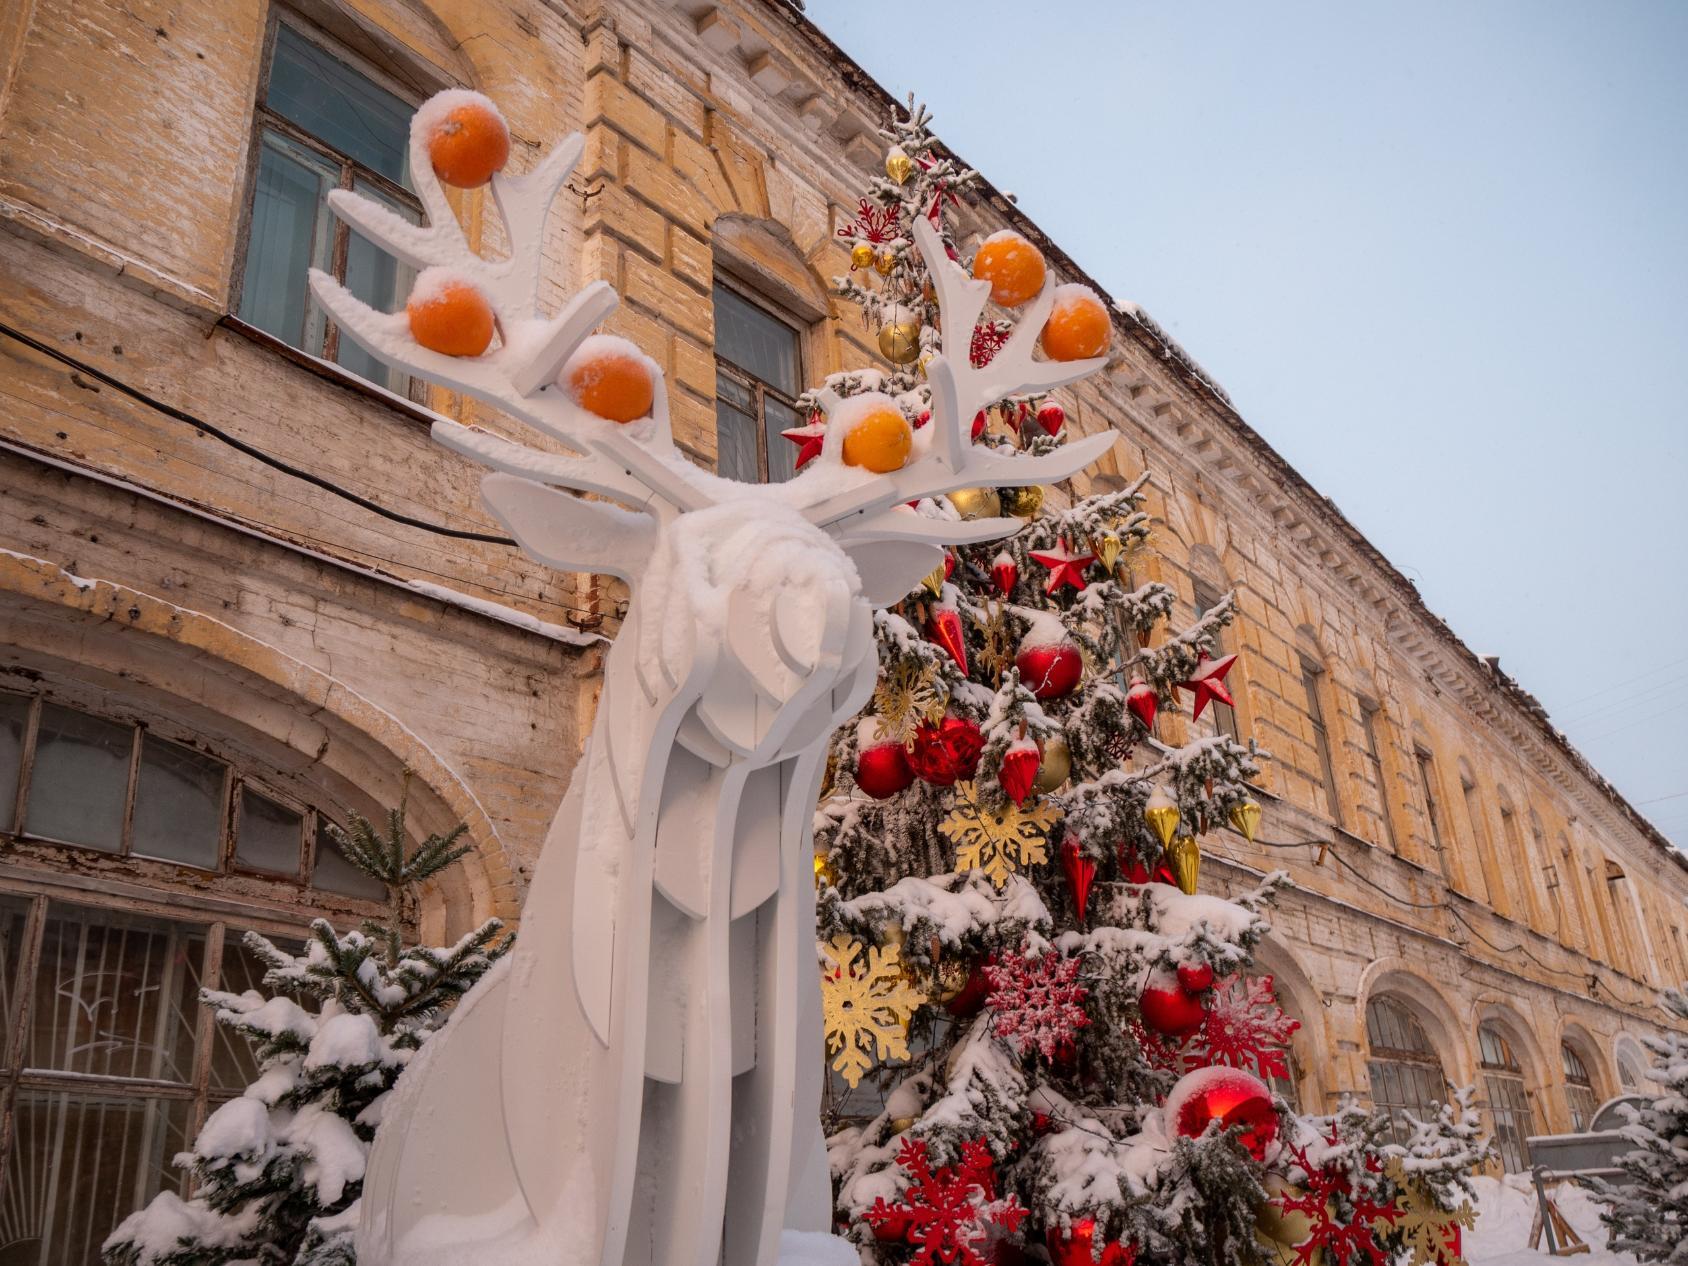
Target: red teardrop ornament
x,y
943,626
1080,871
1019,770
1143,702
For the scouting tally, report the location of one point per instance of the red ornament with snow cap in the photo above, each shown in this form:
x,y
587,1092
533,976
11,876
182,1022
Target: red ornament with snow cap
x,y
883,770
1143,702
1226,1095
1169,1008
1051,417
1005,572
1019,769
1050,667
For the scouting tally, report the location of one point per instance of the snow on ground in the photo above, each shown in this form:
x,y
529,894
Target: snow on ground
x,y
1505,1209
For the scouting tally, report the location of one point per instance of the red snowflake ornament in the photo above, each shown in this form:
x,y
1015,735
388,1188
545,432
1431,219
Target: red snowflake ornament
x,y
1342,1243
872,224
988,340
1037,1003
1244,1028
947,1214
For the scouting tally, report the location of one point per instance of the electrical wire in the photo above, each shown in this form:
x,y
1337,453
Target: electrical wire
x,y
257,454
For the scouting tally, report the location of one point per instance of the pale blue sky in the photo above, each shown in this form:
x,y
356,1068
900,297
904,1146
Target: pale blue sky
x,y
1437,253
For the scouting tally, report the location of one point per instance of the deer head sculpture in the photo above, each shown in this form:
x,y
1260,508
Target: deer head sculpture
x,y
639,1082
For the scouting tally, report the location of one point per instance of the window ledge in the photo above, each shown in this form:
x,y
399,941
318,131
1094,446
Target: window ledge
x,y
330,372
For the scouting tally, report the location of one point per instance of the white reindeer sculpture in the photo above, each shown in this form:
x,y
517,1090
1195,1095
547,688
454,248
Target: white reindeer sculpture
x,y
638,1084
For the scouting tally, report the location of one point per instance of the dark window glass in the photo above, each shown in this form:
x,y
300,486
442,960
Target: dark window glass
x,y
323,126
1405,1073
334,873
341,108
1224,715
1509,1106
116,995
1374,758
758,366
14,721
80,779
1310,674
269,836
178,804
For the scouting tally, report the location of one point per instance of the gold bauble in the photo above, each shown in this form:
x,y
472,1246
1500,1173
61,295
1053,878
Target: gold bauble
x,y
1246,818
1281,1232
898,166
901,1125
1184,855
1055,767
976,503
1023,503
899,342
1107,549
1161,813
951,979
861,255
884,262
824,875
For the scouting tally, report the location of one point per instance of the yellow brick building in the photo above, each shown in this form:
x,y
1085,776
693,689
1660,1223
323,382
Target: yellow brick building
x,y
241,592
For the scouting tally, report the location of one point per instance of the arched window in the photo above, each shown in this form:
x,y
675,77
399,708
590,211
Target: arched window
x,y
1503,1082
1579,1088
139,854
1630,1076
1406,1075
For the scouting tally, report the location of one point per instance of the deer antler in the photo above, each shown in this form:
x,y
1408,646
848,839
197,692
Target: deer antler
x,y
871,510
631,465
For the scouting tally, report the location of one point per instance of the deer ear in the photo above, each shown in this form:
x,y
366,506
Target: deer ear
x,y
891,569
564,532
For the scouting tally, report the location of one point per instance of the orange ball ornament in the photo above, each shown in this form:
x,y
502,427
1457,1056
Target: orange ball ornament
x,y
1078,325
876,434
466,136
449,315
611,378
1012,265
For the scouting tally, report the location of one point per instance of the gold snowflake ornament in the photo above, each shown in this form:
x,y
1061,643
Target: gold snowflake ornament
x,y
1431,1235
997,841
866,1005
905,697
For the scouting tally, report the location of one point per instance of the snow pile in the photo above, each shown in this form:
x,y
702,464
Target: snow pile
x,y
1506,1207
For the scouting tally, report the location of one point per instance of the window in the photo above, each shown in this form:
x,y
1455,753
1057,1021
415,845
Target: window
x,y
1406,1076
1432,813
1474,816
1224,715
758,374
108,1064
1509,1106
71,778
1579,1088
322,124
1629,1074
1374,759
1516,859
1310,674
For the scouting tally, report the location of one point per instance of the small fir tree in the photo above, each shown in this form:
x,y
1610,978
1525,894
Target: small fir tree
x,y
277,1172
1647,1213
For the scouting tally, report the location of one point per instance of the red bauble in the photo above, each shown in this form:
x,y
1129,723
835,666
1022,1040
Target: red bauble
x,y
1051,417
1050,670
1143,702
1019,769
1004,573
883,770
1168,1008
947,751
1195,976
973,993
943,626
923,419
979,421
1080,871
1073,1248
1226,1095
949,564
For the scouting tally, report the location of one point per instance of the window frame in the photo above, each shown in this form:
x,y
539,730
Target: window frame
x,y
1580,1098
350,172
758,388
1204,597
1312,675
1510,1111
1413,1062
295,890
1370,711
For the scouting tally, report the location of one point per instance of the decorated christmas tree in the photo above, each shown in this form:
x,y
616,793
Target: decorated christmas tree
x,y
277,1172
1647,1212
1041,1032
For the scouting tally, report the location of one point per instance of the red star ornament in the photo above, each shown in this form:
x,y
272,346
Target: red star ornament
x,y
1207,683
808,440
1067,568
